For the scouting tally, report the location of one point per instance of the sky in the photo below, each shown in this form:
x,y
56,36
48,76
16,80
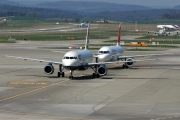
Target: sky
x,y
167,3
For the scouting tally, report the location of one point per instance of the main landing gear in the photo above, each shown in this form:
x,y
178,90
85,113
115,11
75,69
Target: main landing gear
x,y
95,75
95,68
124,65
60,73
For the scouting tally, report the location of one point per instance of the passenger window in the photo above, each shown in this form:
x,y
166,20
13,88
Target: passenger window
x,y
67,57
71,57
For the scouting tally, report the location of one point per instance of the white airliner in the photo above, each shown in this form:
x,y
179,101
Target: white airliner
x,y
113,54
162,32
73,60
83,24
168,26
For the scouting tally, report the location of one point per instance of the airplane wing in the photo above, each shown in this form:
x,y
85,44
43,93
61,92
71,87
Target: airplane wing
x,y
94,64
39,60
147,55
58,51
127,61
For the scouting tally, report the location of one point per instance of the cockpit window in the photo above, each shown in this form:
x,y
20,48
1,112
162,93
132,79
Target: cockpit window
x,y
70,58
104,52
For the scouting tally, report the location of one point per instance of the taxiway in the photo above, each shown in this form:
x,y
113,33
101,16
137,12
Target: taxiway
x,y
148,91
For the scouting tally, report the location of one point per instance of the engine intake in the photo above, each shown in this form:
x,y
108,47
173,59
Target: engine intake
x,y
102,70
129,62
49,69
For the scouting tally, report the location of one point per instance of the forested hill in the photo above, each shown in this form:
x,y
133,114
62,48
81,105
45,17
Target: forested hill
x,y
7,2
91,7
7,10
177,7
117,13
141,15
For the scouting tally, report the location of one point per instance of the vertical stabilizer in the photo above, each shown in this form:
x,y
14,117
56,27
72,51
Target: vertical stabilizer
x,y
119,35
87,38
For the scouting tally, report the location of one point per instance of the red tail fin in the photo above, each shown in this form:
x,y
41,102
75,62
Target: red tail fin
x,y
119,35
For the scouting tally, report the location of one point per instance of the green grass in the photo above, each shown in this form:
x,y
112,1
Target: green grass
x,y
160,37
7,41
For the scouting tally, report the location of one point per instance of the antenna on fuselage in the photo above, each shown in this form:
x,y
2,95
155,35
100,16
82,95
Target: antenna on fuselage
x,y
119,35
87,38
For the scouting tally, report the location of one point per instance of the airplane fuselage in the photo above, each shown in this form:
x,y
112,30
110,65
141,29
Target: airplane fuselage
x,y
77,60
110,53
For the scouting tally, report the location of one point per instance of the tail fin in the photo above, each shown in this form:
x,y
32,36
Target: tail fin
x,y
87,38
119,35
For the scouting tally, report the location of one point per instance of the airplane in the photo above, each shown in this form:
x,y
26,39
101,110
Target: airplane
x,y
175,27
113,54
83,24
73,60
162,31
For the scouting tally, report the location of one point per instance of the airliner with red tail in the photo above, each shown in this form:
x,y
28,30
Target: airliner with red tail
x,y
113,54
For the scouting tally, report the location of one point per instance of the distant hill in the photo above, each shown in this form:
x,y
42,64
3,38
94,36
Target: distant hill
x,y
177,7
8,2
90,7
8,10
137,15
91,10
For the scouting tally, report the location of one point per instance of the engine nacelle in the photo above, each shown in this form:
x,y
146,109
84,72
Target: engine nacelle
x,y
49,69
129,62
102,70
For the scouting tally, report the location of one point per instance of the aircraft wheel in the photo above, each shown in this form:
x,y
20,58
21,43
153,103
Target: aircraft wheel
x,y
94,75
124,66
97,75
58,74
63,74
71,77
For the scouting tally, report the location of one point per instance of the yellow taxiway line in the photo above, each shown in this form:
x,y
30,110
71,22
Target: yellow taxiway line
x,y
31,91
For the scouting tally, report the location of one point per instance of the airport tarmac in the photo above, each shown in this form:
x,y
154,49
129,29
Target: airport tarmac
x,y
148,91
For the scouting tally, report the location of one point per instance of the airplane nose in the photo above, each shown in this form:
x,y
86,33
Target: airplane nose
x,y
69,62
104,57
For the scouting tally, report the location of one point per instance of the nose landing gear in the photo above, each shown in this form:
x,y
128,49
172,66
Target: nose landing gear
x,y
71,75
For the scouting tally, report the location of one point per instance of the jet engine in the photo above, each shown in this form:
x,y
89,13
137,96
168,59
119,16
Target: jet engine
x,y
102,70
129,62
49,69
